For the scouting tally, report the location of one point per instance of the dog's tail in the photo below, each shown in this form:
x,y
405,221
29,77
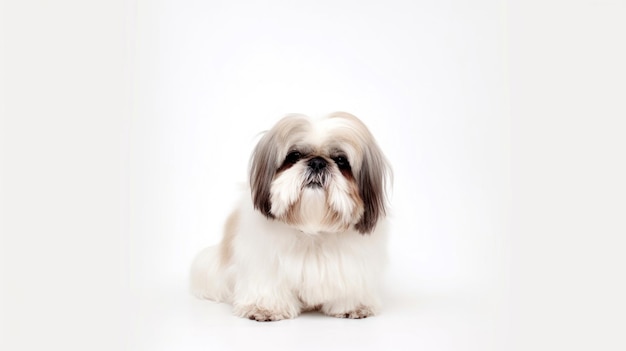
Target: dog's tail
x,y
208,276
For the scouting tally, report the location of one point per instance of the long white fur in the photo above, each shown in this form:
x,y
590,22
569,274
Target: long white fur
x,y
284,270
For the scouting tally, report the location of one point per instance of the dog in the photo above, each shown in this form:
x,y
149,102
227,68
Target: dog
x,y
311,233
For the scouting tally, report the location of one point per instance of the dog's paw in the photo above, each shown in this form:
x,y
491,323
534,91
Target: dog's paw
x,y
260,314
358,313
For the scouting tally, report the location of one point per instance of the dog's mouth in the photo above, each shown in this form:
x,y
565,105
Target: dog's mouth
x,y
314,184
316,180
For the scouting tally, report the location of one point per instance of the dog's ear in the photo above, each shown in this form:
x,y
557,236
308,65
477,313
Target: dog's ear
x,y
262,171
269,154
372,178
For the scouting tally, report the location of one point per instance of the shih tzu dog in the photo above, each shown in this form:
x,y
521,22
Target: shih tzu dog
x,y
310,236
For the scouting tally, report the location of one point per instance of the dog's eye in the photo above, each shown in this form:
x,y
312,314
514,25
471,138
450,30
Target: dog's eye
x,y
293,157
341,162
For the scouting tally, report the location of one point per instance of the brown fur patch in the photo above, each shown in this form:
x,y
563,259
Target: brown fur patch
x,y
347,173
226,246
310,308
360,312
292,216
331,218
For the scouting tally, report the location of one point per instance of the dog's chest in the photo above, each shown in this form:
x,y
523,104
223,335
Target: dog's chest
x,y
323,272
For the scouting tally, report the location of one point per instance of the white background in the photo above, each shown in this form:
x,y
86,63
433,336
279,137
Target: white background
x,y
127,129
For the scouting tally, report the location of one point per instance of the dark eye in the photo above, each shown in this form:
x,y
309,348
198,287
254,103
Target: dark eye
x,y
293,157
342,162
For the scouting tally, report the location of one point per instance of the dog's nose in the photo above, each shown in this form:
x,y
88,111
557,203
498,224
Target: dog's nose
x,y
317,164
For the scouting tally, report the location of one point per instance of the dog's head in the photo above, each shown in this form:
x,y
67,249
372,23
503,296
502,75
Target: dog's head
x,y
325,175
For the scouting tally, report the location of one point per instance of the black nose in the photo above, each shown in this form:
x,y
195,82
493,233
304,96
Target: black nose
x,y
317,164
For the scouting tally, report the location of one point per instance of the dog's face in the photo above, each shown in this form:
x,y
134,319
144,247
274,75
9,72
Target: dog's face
x,y
320,176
